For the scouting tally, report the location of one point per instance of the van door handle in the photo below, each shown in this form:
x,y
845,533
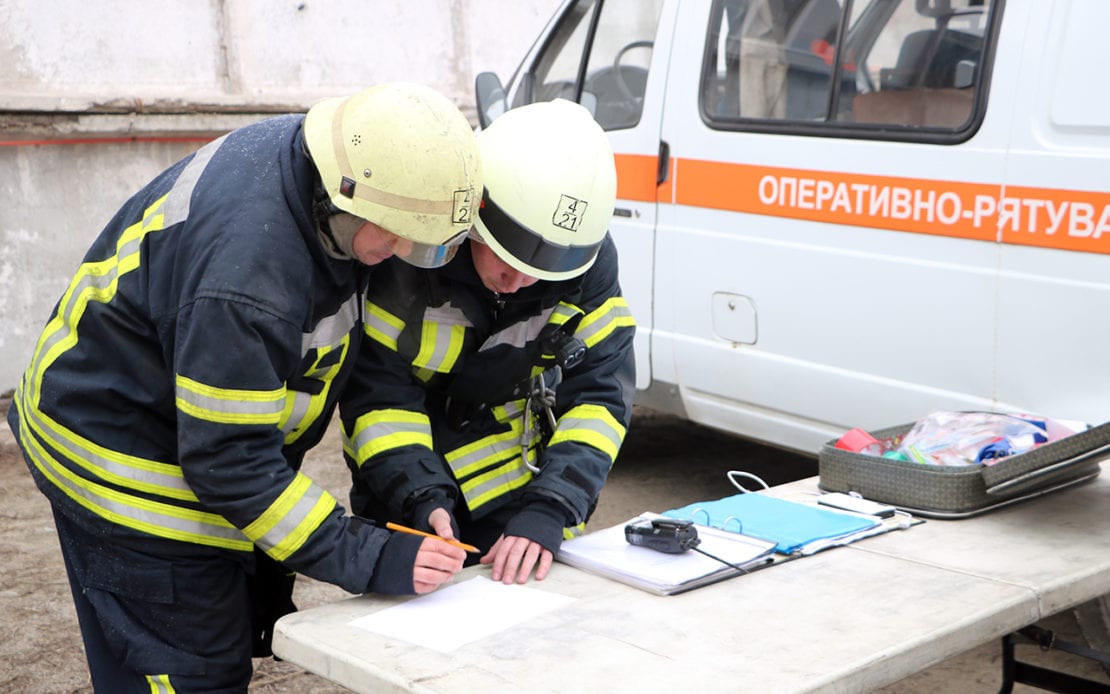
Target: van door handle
x,y
622,212
664,162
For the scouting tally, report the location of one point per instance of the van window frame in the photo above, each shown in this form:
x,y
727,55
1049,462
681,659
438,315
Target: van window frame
x,y
855,131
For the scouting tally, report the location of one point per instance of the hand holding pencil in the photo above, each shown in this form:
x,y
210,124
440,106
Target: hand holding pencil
x,y
414,531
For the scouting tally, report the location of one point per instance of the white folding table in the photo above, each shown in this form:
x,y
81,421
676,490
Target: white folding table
x,y
847,619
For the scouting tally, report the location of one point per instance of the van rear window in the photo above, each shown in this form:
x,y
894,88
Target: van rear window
x,y
890,69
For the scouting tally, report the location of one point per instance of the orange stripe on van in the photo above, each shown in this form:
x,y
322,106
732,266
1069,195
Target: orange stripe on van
x,y
636,175
1044,217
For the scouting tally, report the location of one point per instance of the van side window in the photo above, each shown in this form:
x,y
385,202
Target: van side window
x,y
896,68
598,56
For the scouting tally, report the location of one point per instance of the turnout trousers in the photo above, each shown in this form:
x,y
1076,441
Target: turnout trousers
x,y
157,623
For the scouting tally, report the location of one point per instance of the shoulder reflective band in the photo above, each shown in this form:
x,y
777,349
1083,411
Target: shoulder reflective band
x,y
529,247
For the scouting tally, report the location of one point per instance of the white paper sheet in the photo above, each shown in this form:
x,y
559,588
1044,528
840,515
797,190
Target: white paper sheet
x,y
465,612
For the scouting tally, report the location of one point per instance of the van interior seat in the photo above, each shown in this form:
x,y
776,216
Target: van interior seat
x,y
921,89
942,108
928,58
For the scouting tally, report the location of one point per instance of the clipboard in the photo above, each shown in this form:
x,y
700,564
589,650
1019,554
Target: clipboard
x,y
607,553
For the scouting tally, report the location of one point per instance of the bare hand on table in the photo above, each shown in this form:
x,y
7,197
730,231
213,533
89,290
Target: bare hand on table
x,y
513,558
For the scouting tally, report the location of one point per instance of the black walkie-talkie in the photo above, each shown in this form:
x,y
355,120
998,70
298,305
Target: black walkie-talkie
x,y
667,535
671,536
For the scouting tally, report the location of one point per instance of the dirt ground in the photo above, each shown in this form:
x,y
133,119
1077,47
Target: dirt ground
x,y
42,651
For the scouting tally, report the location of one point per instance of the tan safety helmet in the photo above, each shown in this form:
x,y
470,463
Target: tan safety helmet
x,y
402,156
550,188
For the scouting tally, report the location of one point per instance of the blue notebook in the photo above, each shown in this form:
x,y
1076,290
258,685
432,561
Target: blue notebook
x,y
789,524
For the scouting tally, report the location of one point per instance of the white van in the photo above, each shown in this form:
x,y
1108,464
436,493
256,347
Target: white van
x,y
850,213
839,214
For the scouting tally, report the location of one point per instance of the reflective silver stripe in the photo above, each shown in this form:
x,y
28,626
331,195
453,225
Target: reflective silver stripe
x,y
596,326
519,334
447,314
378,432
229,406
474,458
498,481
382,326
301,402
593,425
156,518
160,684
331,330
101,275
510,410
126,471
448,325
564,312
177,202
89,278
292,528
330,333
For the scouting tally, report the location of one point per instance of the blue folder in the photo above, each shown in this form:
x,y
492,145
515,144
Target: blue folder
x,y
789,524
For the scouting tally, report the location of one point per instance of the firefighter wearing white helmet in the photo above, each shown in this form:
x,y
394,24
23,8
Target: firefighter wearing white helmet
x,y
197,355
546,215
495,392
402,156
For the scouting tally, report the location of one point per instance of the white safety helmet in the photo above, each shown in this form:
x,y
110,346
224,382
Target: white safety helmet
x,y
550,187
404,157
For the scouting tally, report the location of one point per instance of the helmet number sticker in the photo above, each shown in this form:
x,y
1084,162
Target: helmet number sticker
x,y
569,213
460,213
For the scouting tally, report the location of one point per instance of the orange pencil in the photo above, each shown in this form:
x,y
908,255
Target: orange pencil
x,y
414,531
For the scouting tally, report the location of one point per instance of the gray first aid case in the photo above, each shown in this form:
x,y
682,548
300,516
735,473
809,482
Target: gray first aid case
x,y
950,491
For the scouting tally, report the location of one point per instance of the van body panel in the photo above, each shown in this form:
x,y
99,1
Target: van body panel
x,y
885,233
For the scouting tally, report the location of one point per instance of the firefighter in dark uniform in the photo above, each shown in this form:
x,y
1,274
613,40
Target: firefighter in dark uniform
x,y
199,352
494,393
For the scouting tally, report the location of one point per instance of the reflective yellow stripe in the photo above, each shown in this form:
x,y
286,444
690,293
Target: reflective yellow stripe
x,y
440,346
160,684
301,410
507,412
574,531
155,518
592,425
383,430
93,281
149,476
283,528
600,323
229,406
468,459
382,326
564,312
98,282
498,481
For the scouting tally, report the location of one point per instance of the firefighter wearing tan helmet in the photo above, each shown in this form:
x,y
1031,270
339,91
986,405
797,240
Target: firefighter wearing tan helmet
x,y
200,351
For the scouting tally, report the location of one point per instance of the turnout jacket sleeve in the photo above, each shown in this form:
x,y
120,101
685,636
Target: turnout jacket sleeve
x,y
388,436
594,401
228,354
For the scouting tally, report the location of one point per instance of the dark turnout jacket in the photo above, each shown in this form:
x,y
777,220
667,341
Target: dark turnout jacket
x,y
196,355
436,412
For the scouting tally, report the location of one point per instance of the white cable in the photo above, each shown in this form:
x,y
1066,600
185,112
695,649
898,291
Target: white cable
x,y
740,473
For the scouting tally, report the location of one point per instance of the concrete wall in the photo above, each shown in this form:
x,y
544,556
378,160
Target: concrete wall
x,y
96,98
